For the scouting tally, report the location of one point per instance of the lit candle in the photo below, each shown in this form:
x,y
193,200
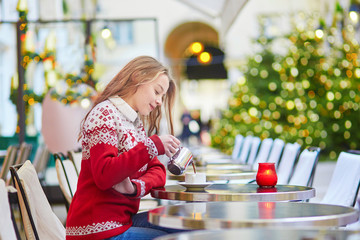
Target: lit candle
x,y
266,175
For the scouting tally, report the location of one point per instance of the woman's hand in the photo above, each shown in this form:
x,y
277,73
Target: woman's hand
x,y
171,144
125,187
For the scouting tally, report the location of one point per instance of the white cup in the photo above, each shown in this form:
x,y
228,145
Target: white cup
x,y
198,177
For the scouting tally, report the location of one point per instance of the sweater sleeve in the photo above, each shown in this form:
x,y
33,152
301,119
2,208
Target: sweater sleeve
x,y
154,177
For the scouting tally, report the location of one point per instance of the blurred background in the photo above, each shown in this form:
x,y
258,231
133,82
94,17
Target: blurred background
x,y
282,69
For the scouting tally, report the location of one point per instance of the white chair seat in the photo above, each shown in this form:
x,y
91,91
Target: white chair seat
x,y
67,177
47,224
76,157
7,230
305,168
287,162
23,153
276,151
264,151
237,146
8,161
41,159
345,180
245,150
255,143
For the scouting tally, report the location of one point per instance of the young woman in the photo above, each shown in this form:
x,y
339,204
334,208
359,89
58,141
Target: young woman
x,y
119,159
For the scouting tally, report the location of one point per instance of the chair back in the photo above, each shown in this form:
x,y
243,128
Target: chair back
x,y
67,177
244,153
345,181
305,168
23,153
276,151
264,151
8,227
41,158
9,160
255,143
287,162
40,222
76,157
237,146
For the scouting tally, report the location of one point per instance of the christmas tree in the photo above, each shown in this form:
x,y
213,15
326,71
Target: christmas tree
x,y
308,95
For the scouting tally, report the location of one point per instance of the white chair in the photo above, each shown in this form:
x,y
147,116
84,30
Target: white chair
x,y
305,168
264,151
8,227
67,177
345,181
237,146
76,157
244,153
23,153
40,222
41,159
254,150
9,160
287,162
276,151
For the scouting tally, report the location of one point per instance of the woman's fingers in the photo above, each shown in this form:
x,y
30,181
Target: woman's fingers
x,y
171,144
176,141
168,153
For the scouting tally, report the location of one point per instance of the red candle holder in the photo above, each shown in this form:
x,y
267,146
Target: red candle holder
x,y
266,190
266,176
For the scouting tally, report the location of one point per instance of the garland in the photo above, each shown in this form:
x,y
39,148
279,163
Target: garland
x,y
70,93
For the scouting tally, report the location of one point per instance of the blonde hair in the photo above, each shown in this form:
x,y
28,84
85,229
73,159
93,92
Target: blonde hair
x,y
141,70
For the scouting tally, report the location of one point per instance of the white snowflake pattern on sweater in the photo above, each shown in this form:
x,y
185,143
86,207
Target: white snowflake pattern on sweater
x,y
116,131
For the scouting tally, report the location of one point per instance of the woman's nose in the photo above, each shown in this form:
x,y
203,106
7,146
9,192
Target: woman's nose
x,y
158,101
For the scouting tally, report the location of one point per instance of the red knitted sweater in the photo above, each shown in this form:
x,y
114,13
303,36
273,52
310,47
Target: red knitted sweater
x,y
115,146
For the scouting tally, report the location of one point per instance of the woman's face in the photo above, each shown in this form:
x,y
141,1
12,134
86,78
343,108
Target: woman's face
x,y
150,95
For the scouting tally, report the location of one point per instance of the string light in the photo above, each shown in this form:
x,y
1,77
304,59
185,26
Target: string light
x,y
319,33
196,47
354,16
205,58
106,33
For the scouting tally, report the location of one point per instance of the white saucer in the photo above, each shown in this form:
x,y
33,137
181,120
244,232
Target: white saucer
x,y
195,187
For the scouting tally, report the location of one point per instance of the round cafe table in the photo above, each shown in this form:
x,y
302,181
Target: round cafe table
x,y
218,174
214,161
267,233
225,167
221,215
234,192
